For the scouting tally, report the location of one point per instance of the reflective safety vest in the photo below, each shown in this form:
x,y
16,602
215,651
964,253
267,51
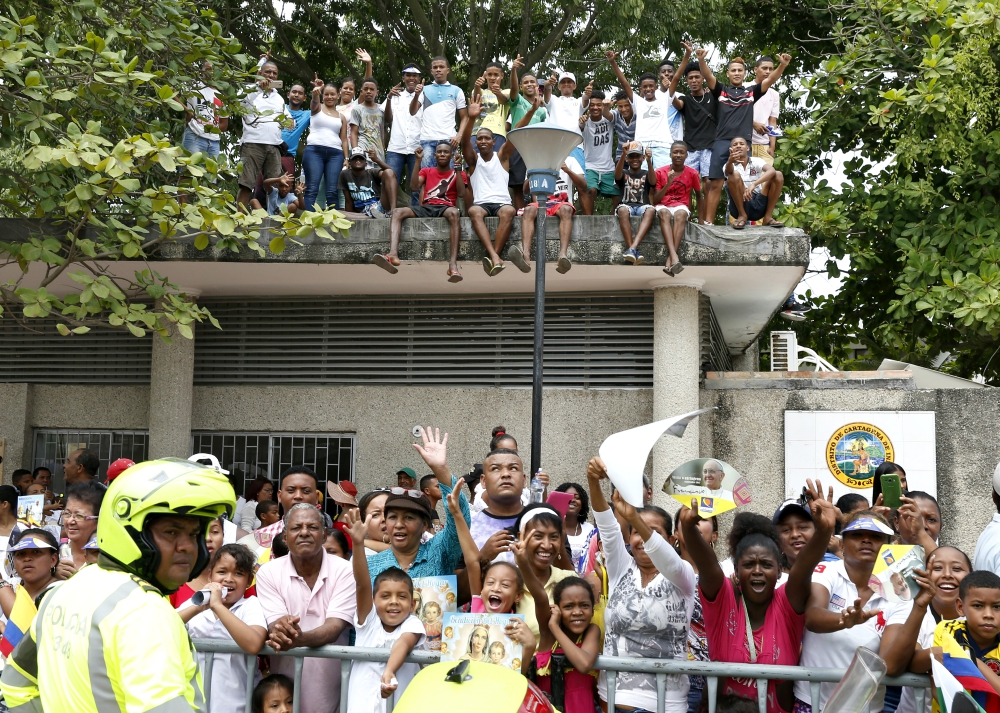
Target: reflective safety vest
x,y
104,642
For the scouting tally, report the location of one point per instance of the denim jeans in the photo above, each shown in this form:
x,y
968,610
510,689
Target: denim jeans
x,y
193,143
429,147
397,161
319,162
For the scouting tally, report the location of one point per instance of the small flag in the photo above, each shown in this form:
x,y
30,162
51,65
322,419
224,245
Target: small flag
x,y
956,674
20,619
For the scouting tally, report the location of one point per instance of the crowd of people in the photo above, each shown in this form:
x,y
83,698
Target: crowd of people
x,y
650,150
601,576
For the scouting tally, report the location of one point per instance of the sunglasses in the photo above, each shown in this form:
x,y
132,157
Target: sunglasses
x,y
406,491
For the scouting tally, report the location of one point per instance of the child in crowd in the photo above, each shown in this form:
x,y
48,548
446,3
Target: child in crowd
x,y
231,617
977,635
635,185
267,512
522,99
597,126
363,186
652,127
336,544
568,642
623,115
496,588
495,103
765,114
698,109
559,204
275,694
440,186
753,186
564,108
368,126
393,626
441,102
280,194
674,185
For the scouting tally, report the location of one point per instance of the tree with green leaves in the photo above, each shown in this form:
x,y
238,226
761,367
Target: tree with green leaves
x,y
912,96
91,113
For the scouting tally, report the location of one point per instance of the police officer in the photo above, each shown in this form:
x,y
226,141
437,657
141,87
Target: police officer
x,y
107,640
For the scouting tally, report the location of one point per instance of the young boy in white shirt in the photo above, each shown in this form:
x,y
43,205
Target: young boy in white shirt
x,y
564,109
753,187
394,627
231,617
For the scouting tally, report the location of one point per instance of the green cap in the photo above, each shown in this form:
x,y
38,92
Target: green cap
x,y
409,471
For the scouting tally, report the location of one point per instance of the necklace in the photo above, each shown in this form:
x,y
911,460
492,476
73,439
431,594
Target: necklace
x,y
698,100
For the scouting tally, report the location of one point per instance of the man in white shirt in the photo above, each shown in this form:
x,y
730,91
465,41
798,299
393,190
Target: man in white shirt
x,y
652,128
675,119
765,114
564,109
987,554
266,112
404,132
753,187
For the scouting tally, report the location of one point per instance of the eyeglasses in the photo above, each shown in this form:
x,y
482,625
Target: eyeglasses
x,y
406,491
76,517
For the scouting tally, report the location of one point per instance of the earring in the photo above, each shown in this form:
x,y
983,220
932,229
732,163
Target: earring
x,y
385,539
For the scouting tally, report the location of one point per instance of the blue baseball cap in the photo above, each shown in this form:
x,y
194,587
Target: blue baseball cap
x,y
92,543
31,542
868,524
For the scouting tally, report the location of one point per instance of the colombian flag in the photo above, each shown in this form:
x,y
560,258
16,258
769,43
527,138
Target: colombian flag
x,y
966,674
20,619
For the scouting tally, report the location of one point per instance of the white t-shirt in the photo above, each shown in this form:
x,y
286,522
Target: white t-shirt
x,y
751,172
440,103
404,135
203,104
365,692
229,672
763,109
261,129
925,639
836,650
597,143
987,555
653,121
674,118
578,543
565,112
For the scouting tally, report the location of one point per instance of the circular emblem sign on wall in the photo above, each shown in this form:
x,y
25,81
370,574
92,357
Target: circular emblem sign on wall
x,y
854,452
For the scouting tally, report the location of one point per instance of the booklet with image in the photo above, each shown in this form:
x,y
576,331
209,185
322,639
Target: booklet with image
x,y
30,509
434,597
709,485
480,637
892,576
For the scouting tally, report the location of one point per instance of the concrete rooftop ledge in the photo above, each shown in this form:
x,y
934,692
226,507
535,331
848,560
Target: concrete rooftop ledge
x,y
888,379
596,240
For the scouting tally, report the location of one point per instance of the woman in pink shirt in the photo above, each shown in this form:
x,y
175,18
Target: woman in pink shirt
x,y
753,620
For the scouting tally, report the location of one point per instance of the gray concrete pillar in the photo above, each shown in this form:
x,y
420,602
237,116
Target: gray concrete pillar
x,y
171,386
748,360
676,373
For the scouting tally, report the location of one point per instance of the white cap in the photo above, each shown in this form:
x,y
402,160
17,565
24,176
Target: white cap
x,y
996,480
214,462
566,75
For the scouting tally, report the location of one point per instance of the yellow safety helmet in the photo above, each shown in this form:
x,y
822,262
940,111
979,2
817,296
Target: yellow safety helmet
x,y
468,685
169,486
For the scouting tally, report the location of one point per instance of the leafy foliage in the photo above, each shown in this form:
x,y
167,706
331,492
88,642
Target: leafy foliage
x,y
91,106
912,94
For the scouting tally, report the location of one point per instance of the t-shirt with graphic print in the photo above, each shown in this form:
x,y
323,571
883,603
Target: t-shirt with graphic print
x,y
494,116
364,188
440,187
370,121
634,187
679,190
734,116
597,136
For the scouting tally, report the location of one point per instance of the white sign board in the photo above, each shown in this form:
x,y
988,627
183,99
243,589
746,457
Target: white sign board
x,y
843,449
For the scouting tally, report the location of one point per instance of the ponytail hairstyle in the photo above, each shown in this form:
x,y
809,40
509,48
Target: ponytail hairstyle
x,y
499,436
752,530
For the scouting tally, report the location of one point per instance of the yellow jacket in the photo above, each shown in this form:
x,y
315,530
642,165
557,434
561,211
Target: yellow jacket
x,y
104,642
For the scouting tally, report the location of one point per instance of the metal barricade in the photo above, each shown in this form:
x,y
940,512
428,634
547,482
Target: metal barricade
x,y
609,665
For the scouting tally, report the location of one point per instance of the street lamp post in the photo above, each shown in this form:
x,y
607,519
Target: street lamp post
x,y
543,148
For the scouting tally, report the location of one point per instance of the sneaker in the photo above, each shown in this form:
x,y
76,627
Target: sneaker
x,y
638,257
793,316
774,131
517,257
630,256
793,311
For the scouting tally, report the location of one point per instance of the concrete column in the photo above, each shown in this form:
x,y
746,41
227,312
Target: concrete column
x,y
171,386
748,360
676,373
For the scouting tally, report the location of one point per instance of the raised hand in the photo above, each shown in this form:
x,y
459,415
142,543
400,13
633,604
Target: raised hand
x,y
475,107
700,53
357,527
649,154
419,88
452,498
622,507
688,47
589,90
520,548
854,615
928,590
815,491
686,515
434,447
596,470
555,618
317,83
824,512
911,522
785,59
396,90
363,55
553,80
518,63
419,152
610,55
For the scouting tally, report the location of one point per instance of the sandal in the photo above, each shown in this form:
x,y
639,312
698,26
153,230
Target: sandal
x,y
739,224
516,256
676,268
775,224
564,265
487,265
454,275
497,269
385,262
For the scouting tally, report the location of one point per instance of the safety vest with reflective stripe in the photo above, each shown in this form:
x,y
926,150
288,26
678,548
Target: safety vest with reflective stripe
x,y
104,642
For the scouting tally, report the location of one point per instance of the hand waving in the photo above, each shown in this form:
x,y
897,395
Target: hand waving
x,y
363,55
854,615
434,448
356,526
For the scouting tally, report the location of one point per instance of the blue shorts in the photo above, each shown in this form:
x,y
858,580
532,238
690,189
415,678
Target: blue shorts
x,y
661,154
637,211
755,208
700,161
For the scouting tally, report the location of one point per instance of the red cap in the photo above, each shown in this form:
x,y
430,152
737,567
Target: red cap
x,y
116,468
